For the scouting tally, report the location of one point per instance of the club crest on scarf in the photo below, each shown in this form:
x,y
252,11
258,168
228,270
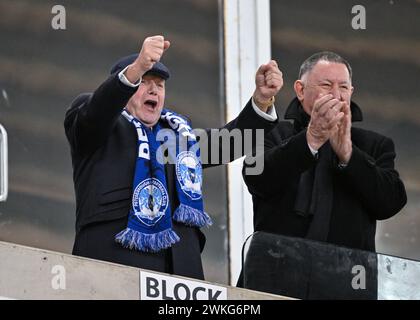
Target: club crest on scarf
x,y
150,201
149,226
189,174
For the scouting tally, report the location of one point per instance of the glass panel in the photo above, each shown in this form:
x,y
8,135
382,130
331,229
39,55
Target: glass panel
x,y
43,70
386,65
305,269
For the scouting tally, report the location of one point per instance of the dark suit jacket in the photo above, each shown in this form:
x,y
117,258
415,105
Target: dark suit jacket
x,y
367,190
103,149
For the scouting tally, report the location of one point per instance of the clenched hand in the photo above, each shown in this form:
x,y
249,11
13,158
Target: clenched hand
x,y
150,53
268,82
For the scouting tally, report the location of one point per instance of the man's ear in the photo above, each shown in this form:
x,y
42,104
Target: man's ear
x,y
298,86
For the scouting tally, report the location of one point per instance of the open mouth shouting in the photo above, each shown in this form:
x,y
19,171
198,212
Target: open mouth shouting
x,y
150,104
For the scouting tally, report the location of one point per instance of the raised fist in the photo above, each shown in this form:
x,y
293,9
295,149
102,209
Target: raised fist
x,y
268,82
150,53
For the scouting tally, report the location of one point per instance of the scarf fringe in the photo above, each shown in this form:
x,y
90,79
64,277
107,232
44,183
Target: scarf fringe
x,y
192,217
153,242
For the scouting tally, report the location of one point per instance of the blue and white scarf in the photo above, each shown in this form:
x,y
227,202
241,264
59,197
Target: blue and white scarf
x,y
149,225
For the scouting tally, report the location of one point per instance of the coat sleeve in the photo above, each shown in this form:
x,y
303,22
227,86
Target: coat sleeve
x,y
284,160
235,139
90,118
375,179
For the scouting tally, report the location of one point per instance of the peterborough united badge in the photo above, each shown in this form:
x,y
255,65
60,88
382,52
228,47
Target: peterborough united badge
x,y
189,174
150,201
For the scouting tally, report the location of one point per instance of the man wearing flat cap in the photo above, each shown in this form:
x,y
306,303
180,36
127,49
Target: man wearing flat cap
x,y
132,208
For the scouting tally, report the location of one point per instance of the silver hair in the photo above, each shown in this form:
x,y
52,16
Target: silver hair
x,y
329,56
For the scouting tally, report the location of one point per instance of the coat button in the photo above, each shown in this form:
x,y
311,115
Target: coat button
x,y
284,143
371,162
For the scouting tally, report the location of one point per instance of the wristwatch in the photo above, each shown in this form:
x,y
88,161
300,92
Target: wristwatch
x,y
267,103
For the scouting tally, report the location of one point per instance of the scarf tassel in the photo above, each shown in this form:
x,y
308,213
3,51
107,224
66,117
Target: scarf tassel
x,y
153,242
192,217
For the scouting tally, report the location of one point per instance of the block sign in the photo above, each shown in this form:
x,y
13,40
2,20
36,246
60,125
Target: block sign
x,y
160,287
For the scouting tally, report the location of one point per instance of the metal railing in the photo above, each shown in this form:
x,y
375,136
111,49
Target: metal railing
x,y
3,165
